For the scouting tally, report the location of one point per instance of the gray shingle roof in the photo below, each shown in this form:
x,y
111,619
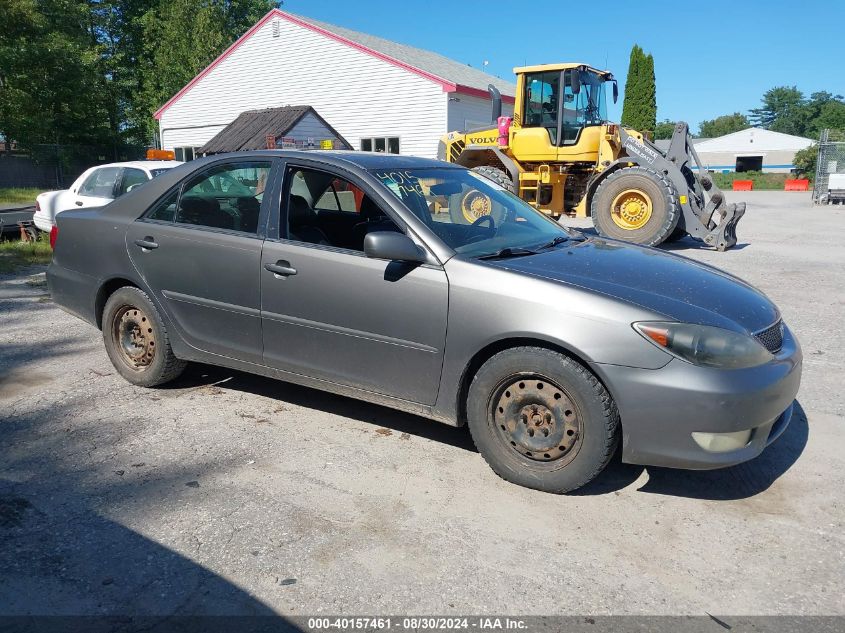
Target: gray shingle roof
x,y
250,130
433,63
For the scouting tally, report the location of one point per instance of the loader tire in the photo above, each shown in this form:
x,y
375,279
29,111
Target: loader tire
x,y
636,205
499,176
469,207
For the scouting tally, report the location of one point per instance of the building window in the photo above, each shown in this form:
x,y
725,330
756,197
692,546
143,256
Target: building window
x,y
185,153
388,144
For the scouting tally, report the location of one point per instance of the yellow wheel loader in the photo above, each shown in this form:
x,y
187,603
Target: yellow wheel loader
x,y
560,153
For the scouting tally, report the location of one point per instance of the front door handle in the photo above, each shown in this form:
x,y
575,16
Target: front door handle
x,y
148,243
79,203
281,268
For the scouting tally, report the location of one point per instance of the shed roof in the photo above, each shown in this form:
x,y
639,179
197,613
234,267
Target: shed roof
x,y
250,130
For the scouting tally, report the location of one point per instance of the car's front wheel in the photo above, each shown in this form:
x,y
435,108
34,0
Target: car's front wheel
x,y
136,339
541,420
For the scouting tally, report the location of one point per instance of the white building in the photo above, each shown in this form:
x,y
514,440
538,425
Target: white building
x,y
753,149
379,95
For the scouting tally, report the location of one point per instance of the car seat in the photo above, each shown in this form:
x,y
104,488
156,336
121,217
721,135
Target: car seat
x,y
302,222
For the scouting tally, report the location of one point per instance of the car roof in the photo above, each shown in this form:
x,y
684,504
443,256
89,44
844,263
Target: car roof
x,y
363,160
142,164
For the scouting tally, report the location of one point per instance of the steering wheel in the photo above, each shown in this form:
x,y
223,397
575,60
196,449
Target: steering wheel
x,y
478,222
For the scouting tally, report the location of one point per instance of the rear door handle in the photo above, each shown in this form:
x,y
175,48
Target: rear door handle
x,y
281,268
148,242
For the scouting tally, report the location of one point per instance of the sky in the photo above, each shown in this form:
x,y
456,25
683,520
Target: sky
x,y
710,58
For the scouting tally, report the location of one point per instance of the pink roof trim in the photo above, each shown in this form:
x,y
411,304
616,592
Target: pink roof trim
x,y
446,85
477,92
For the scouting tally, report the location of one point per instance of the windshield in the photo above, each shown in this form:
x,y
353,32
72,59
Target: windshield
x,y
471,214
588,107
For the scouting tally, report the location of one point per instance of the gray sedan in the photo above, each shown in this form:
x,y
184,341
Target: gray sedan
x,y
424,287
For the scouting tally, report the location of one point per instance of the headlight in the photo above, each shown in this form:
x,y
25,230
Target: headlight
x,y
705,345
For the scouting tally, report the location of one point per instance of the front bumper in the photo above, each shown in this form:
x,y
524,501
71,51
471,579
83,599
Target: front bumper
x,y
660,409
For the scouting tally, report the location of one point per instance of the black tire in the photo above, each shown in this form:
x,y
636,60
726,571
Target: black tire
x,y
586,406
499,176
460,201
678,234
136,339
665,213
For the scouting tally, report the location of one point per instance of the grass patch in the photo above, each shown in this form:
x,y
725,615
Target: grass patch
x,y
21,196
16,254
762,181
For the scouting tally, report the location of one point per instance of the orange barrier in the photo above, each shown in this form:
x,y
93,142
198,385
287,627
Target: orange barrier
x,y
796,185
743,185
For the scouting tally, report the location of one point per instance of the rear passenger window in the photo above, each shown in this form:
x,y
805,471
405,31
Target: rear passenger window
x,y
100,184
166,209
225,197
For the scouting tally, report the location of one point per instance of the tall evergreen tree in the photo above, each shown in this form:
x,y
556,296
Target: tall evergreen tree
x,y
649,107
639,110
633,89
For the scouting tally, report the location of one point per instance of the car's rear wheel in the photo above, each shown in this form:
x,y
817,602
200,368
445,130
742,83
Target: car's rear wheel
x,y
136,339
541,420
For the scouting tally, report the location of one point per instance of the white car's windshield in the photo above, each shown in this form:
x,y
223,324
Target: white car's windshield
x,y
471,214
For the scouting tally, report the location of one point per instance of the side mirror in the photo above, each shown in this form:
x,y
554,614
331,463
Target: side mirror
x,y
615,91
575,80
393,247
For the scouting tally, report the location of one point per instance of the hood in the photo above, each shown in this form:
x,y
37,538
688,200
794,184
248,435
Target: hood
x,y
677,287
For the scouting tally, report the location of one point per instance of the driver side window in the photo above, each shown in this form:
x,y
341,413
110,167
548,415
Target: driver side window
x,y
327,210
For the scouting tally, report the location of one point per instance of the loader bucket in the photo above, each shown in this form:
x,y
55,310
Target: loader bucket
x,y
723,236
705,201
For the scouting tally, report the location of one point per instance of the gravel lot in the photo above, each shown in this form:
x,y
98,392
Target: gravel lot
x,y
229,493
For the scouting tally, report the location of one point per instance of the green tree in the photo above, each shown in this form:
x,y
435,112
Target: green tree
x,y
639,109
726,124
633,89
51,86
649,107
664,129
782,111
181,37
805,161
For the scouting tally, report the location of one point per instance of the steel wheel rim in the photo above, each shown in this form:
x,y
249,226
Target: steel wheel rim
x,y
134,337
537,419
475,205
631,209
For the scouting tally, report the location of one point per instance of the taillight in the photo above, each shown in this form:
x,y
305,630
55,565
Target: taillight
x,y
54,233
37,206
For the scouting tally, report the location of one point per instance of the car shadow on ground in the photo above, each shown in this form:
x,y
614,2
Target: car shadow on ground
x,y
737,482
198,375
725,484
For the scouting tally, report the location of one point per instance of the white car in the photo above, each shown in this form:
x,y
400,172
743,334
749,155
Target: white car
x,y
97,187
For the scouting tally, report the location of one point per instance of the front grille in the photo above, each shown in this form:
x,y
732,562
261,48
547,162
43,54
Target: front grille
x,y
772,337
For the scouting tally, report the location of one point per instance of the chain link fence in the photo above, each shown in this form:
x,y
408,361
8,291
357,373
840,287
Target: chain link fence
x,y
57,166
831,160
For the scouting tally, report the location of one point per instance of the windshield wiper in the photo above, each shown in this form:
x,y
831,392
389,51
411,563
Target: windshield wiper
x,y
508,252
560,239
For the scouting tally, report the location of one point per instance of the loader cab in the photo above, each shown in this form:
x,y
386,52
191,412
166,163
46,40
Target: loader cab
x,y
559,111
